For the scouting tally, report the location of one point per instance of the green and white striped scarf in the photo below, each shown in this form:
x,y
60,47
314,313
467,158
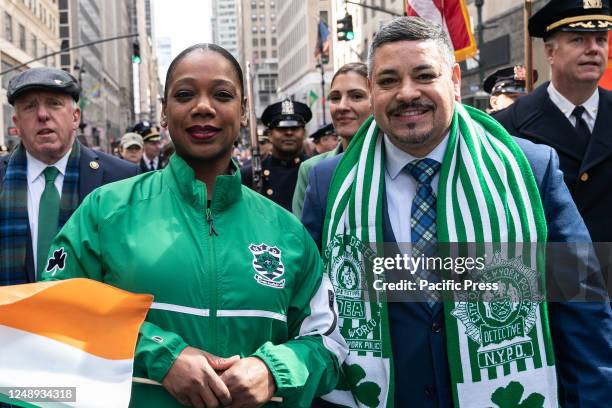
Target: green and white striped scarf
x,y
499,349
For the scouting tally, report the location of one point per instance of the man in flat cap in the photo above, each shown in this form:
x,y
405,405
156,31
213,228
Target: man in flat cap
x,y
48,174
505,85
571,113
151,158
286,121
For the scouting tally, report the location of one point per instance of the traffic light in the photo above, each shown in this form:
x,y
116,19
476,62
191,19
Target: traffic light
x,y
136,52
345,28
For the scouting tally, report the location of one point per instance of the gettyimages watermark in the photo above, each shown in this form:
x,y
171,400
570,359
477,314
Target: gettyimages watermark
x,y
553,272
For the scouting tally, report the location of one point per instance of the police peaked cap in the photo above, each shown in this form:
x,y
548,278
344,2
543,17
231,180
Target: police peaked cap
x,y
285,114
49,79
571,15
322,132
509,80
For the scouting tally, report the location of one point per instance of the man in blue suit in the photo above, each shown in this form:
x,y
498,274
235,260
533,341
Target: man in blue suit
x,y
49,173
413,83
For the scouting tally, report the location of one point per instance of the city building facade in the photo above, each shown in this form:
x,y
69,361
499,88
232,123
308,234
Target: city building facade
x,y
225,28
365,23
300,76
259,46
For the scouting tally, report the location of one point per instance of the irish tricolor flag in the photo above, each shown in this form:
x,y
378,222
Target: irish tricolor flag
x,y
78,334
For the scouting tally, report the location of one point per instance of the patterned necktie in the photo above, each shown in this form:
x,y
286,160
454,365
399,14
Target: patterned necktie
x,y
423,218
581,126
152,165
48,216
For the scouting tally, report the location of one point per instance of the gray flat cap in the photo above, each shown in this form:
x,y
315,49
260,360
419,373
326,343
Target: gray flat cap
x,y
51,79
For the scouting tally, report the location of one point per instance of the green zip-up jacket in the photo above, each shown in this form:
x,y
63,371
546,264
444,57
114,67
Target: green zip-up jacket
x,y
238,276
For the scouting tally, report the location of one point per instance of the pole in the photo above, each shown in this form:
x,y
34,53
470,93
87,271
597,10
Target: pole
x,y
25,64
322,86
528,46
382,10
480,28
255,154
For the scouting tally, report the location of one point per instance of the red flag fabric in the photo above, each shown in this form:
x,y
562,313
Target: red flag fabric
x,y
453,16
606,79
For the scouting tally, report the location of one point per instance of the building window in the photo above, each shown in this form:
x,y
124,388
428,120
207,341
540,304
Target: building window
x,y
274,54
34,46
254,29
8,27
264,54
63,17
262,29
263,42
273,41
22,37
255,42
253,17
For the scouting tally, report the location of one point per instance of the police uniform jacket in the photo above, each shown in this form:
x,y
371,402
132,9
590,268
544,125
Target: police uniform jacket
x,y
586,165
279,178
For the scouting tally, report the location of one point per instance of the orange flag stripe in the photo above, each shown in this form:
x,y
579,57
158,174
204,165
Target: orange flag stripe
x,y
91,316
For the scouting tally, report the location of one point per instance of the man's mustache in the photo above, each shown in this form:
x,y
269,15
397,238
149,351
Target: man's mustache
x,y
411,105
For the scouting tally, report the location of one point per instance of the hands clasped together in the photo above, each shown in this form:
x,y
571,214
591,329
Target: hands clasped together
x,y
201,379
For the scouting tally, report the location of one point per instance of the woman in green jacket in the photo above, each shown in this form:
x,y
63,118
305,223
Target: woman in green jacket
x,y
242,312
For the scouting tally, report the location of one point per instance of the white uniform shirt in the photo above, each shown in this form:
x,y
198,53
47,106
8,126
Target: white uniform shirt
x,y
565,106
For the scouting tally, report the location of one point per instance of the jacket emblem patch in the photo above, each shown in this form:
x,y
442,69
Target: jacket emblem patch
x,y
57,261
268,265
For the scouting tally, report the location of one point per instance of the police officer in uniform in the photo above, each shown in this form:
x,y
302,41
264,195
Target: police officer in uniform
x,y
571,113
505,85
152,158
286,121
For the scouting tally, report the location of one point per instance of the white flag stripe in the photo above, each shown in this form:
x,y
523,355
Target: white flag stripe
x,y
426,9
32,360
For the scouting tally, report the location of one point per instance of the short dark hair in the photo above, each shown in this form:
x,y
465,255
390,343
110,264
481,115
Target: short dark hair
x,y
357,67
411,29
204,47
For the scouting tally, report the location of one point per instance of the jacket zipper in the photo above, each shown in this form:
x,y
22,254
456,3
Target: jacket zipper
x,y
211,226
213,279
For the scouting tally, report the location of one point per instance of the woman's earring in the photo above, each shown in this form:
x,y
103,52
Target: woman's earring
x,y
163,123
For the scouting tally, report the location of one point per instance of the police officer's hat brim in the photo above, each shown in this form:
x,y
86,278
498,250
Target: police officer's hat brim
x,y
570,15
274,116
326,130
47,79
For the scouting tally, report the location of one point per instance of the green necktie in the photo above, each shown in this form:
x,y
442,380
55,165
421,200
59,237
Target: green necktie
x,y
48,216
